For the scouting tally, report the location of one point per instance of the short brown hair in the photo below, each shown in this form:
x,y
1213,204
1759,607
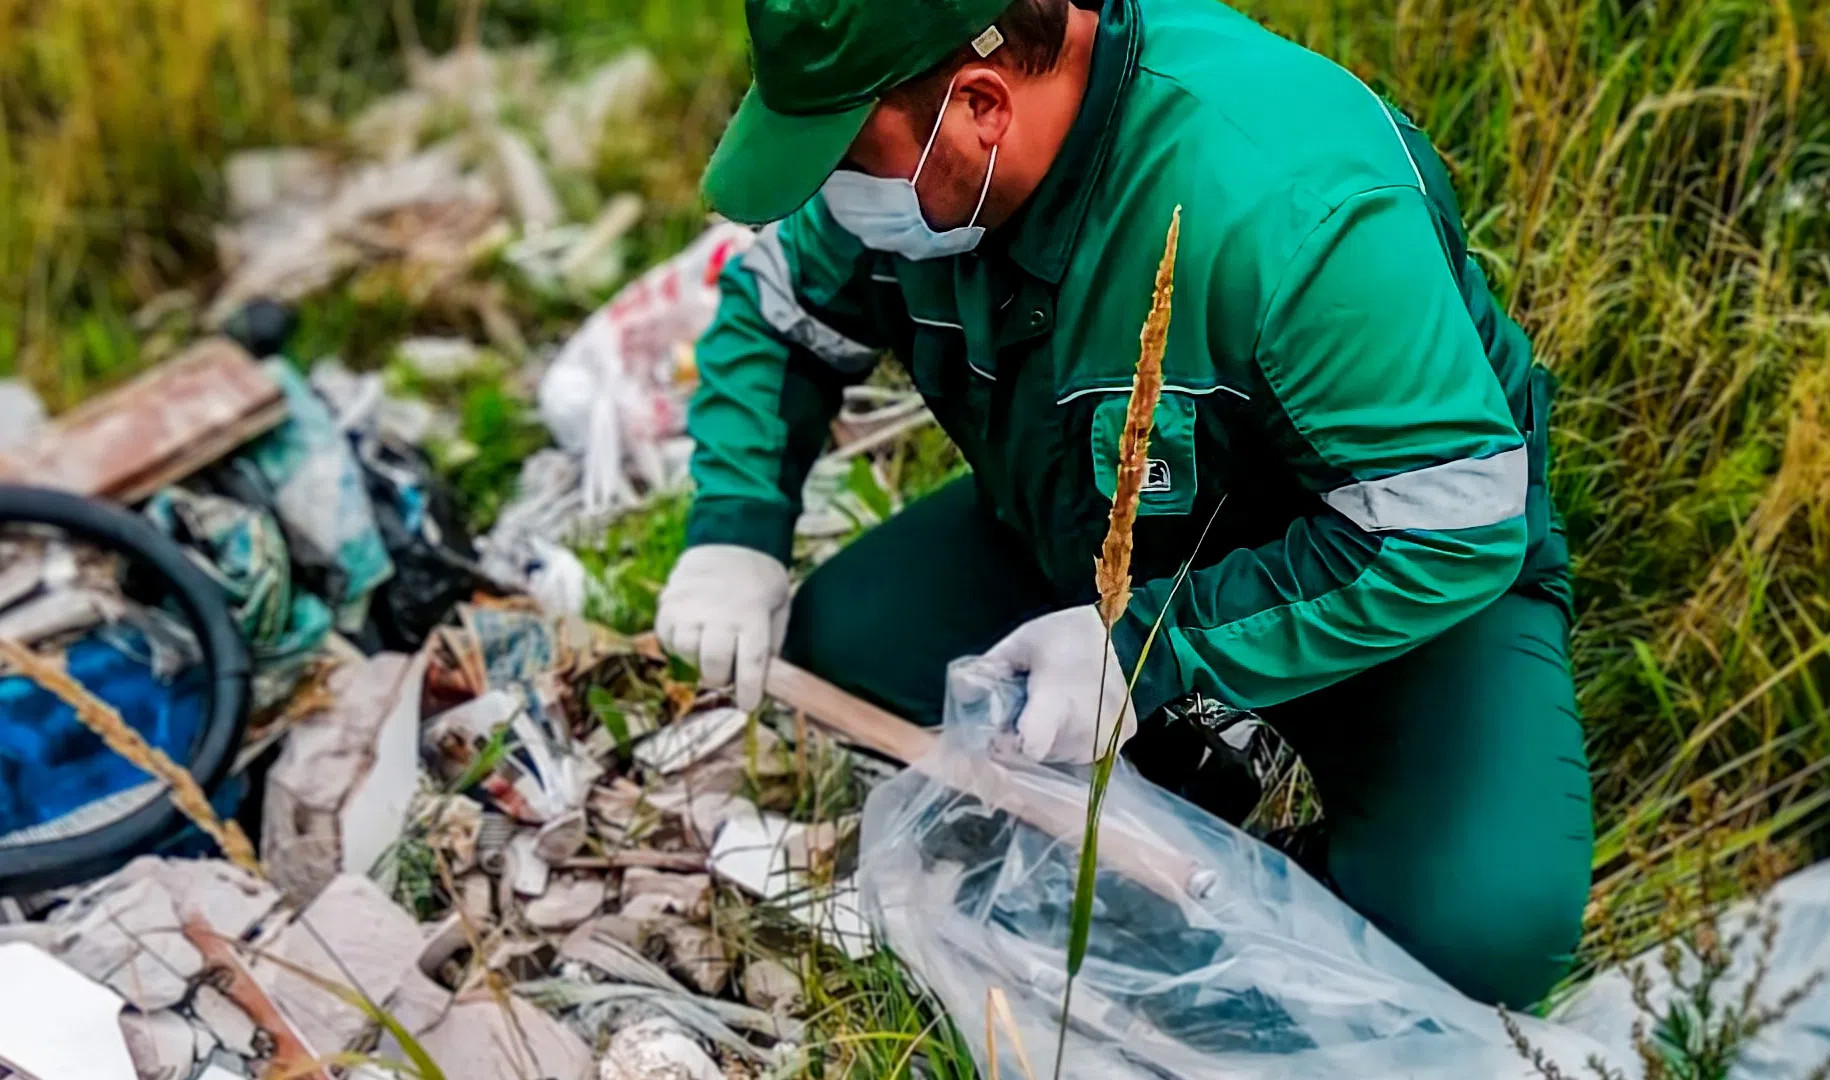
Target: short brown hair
x,y
1034,33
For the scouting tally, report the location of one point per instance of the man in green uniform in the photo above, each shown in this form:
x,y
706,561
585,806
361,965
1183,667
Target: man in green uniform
x,y
1350,449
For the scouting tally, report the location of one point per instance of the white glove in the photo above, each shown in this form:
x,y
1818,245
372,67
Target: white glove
x,y
1069,715
725,609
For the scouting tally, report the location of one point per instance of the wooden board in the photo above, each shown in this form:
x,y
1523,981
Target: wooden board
x,y
1148,860
155,430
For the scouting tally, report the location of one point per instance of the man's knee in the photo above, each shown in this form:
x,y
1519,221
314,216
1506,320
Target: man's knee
x,y
1501,929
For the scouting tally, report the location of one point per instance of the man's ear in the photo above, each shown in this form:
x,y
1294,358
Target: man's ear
x,y
988,96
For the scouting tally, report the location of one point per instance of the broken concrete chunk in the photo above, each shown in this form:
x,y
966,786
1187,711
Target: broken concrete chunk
x,y
233,1029
338,796
228,899
568,901
649,894
352,933
657,1049
483,1038
770,985
417,1004
695,954
162,1044
131,938
561,838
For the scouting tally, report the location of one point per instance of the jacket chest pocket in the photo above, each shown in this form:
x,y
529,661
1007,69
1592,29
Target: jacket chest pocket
x,y
1171,481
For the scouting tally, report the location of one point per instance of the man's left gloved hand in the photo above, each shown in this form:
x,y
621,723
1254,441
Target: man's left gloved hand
x,y
1071,709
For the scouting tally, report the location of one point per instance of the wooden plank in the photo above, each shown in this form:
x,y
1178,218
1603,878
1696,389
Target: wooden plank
x,y
851,718
1147,860
157,429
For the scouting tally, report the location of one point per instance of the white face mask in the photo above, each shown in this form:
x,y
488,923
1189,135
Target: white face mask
x,y
886,213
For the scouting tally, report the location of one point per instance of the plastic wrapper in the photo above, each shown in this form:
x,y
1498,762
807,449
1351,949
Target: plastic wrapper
x,y
1210,955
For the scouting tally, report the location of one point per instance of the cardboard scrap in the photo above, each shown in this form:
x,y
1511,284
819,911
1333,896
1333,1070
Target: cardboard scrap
x,y
155,430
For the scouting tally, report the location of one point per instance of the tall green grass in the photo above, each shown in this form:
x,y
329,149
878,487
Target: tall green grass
x,y
1648,186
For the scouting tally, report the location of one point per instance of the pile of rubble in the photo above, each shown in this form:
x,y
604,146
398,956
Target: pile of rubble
x,y
477,853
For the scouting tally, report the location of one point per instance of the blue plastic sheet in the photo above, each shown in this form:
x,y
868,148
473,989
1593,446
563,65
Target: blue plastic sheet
x,y
51,766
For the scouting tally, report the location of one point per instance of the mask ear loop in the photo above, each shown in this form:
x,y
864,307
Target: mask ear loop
x,y
990,168
935,134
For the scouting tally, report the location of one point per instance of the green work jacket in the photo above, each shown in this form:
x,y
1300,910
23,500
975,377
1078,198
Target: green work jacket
x,y
1344,401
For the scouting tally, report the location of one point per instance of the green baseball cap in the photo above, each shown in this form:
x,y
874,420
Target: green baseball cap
x,y
820,67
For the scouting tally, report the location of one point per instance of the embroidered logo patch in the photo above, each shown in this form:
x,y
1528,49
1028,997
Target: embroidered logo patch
x,y
1156,476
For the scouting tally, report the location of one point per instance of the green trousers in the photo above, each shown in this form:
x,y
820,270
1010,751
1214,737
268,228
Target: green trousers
x,y
1453,780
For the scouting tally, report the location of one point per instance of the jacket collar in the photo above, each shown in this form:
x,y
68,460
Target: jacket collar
x,y
1046,228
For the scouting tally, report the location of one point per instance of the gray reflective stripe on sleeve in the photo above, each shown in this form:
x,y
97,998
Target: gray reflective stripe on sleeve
x,y
767,262
1463,494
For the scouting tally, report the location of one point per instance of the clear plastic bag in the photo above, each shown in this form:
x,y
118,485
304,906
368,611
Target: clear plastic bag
x,y
1211,954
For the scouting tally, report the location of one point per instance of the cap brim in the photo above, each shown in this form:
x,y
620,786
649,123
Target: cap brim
x,y
769,163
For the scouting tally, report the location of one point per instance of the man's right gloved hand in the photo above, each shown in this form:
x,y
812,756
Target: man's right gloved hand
x,y
725,609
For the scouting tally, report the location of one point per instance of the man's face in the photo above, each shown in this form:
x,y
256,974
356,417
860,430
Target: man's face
x,y
975,114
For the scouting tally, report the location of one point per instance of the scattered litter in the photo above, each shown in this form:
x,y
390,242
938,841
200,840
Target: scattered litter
x,y
769,856
245,552
425,208
524,182
657,1049
163,1045
695,954
56,1024
306,472
690,740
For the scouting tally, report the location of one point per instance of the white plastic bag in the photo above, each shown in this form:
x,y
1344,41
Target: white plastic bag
x,y
1789,1049
618,389
1211,954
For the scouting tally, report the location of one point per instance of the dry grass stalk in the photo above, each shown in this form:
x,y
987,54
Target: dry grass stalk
x,y
1112,570
98,716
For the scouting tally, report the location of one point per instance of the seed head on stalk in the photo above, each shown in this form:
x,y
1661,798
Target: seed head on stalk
x,y
1112,569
